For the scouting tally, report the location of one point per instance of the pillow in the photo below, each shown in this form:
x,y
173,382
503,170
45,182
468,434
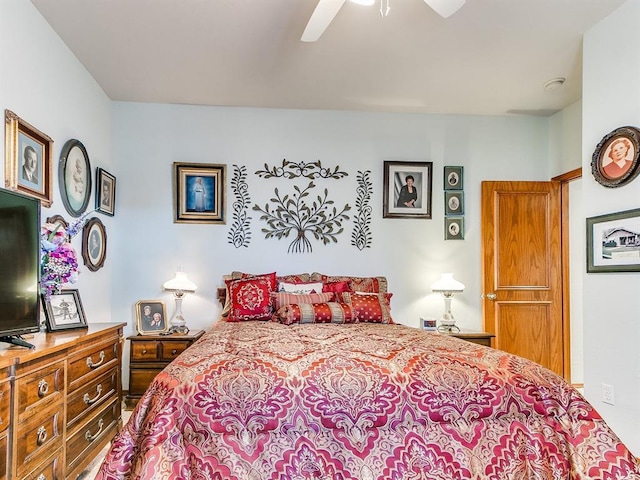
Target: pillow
x,y
331,312
356,284
315,287
285,298
234,276
336,287
250,297
294,278
369,308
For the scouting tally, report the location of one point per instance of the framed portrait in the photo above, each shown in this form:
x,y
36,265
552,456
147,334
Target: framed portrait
x,y
151,317
199,193
453,202
453,228
613,242
407,189
64,311
28,159
615,161
105,192
74,177
94,244
453,179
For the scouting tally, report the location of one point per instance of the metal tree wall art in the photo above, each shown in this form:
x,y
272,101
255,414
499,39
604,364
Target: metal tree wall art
x,y
361,235
303,217
294,170
240,233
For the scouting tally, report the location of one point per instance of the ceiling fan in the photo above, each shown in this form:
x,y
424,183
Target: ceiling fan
x,y
326,10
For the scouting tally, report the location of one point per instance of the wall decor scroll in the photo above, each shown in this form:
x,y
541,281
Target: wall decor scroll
x,y
240,232
74,177
361,235
28,159
292,170
616,159
407,189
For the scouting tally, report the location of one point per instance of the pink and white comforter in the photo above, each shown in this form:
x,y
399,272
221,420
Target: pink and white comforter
x,y
265,401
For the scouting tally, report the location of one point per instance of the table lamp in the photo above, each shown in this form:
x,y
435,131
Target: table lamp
x,y
179,285
447,286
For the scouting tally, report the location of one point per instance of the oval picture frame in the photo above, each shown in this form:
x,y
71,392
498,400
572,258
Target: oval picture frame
x,y
74,177
94,244
623,143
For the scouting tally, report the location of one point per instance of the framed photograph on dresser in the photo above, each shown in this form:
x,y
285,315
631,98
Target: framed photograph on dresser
x,y
151,317
64,311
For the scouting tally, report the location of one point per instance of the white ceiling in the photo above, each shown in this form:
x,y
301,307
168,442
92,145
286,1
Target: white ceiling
x,y
491,57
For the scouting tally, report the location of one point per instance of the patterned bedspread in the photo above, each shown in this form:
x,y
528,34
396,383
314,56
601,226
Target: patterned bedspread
x,y
265,401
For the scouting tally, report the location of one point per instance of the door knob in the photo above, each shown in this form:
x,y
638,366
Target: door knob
x,y
491,296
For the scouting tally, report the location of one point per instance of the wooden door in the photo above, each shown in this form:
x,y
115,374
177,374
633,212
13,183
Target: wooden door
x,y
522,270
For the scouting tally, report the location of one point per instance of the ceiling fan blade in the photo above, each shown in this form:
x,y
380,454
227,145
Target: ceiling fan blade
x,y
321,18
445,8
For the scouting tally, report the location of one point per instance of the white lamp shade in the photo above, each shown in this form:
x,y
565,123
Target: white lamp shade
x,y
446,283
180,283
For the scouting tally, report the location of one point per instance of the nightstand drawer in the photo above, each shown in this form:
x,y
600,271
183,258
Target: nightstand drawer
x,y
171,349
145,351
479,338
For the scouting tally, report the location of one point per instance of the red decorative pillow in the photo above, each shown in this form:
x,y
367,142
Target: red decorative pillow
x,y
284,298
336,287
330,312
294,278
250,297
356,284
369,308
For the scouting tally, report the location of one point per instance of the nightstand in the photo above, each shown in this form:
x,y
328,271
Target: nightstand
x,y
481,338
149,354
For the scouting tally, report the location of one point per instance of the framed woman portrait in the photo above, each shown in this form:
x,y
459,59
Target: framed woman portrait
x,y
615,161
74,177
28,159
453,202
407,189
64,311
453,228
151,317
199,193
105,192
453,179
94,244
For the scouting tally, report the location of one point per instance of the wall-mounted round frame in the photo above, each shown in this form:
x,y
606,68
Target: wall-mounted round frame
x,y
616,159
94,244
74,177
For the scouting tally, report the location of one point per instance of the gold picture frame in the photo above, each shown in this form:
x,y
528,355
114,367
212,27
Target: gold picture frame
x,y
199,193
151,317
28,159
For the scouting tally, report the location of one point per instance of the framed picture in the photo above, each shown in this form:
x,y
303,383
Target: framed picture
x,y
64,311
615,161
453,228
453,179
105,192
151,317
199,193
28,159
94,244
453,202
74,177
407,189
613,242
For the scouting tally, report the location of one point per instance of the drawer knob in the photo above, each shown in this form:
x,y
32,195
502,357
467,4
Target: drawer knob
x,y
91,401
174,351
42,435
144,351
43,388
90,438
41,477
90,363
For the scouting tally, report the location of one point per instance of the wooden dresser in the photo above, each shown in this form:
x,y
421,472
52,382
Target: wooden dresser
x,y
61,401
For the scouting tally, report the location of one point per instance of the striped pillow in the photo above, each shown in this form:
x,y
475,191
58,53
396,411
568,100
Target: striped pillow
x,y
330,312
284,298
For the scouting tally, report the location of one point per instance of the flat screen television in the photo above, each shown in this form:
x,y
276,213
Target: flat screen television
x,y
19,266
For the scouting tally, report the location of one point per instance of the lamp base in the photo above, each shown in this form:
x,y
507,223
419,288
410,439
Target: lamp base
x,y
181,329
448,329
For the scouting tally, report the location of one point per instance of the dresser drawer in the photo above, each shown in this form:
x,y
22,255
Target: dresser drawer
x,y
171,349
51,469
5,406
39,436
90,397
145,351
4,455
39,389
94,361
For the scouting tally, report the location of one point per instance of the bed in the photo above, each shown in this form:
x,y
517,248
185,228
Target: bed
x,y
345,393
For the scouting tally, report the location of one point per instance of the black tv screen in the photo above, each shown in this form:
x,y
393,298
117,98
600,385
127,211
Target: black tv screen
x,y
19,264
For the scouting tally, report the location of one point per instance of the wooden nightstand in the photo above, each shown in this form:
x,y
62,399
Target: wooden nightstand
x,y
149,354
481,338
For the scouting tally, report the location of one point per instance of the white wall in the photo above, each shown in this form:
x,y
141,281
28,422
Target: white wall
x,y
46,86
611,99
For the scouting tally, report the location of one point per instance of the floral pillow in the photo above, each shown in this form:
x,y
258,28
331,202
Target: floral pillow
x,y
369,308
285,298
330,312
250,297
356,284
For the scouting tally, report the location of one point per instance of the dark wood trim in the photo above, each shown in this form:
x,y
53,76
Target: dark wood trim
x,y
567,177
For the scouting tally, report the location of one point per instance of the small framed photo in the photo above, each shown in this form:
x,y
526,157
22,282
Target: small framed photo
x,y
151,317
453,202
407,189
94,244
105,192
453,228
199,193
28,159
613,242
615,161
453,179
64,311
74,177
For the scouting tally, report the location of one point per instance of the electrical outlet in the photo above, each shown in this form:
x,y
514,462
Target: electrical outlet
x,y
607,394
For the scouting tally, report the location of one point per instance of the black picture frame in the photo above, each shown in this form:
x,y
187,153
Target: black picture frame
x,y
453,177
396,180
74,177
453,202
454,228
105,192
613,242
155,321
199,194
64,310
94,244
624,143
